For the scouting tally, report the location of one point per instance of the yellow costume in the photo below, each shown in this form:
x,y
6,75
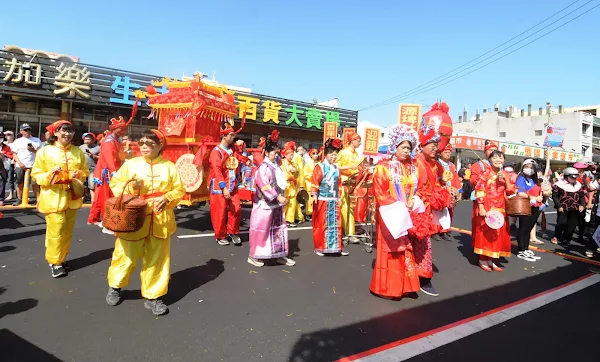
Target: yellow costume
x,y
309,167
55,200
291,190
347,157
152,243
299,163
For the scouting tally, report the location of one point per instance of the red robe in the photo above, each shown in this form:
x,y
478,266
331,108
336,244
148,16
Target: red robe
x,y
477,169
109,161
224,214
454,182
487,241
395,271
436,198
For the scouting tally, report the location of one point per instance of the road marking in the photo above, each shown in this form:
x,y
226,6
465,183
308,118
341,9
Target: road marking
x,y
242,232
422,343
536,248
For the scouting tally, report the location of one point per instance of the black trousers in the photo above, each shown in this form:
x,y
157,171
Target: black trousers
x,y
566,223
526,223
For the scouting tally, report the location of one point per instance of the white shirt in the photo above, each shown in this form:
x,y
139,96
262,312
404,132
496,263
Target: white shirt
x,y
19,147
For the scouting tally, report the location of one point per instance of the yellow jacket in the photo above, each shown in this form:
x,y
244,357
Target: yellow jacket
x,y
347,157
57,197
160,176
309,167
299,163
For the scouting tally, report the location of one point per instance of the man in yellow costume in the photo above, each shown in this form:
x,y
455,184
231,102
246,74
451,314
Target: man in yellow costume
x,y
156,180
348,162
53,169
309,167
298,163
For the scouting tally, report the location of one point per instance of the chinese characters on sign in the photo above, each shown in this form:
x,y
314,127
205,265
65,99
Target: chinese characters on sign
x,y
371,141
468,142
329,130
348,132
410,115
72,80
27,73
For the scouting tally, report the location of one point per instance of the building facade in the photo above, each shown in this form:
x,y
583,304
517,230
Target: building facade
x,y
38,88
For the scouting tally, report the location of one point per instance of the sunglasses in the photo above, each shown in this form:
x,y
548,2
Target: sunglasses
x,y
147,143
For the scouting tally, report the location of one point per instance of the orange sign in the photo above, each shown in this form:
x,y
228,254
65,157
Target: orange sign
x,y
348,132
329,130
371,142
410,115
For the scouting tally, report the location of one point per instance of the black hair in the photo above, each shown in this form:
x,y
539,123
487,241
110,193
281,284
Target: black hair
x,y
271,146
496,153
534,176
330,147
151,136
65,126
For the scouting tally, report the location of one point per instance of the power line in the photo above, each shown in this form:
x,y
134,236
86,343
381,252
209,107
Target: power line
x,y
444,76
505,55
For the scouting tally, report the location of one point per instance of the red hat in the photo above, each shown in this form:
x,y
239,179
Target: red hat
x,y
291,145
354,137
580,165
228,129
313,151
286,151
447,148
161,137
56,125
120,122
489,146
436,126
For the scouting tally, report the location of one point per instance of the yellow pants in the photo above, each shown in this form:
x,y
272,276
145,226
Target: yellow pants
x,y
290,209
59,232
156,265
347,214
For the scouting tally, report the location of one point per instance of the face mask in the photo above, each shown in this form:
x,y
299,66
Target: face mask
x,y
528,171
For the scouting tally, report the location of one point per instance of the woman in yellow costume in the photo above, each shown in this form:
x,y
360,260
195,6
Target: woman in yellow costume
x,y
348,162
53,170
309,167
157,181
292,174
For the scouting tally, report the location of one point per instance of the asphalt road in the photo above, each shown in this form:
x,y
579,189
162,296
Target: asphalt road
x,y
223,309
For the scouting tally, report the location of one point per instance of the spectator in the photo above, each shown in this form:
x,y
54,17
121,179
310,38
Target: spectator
x,y
24,150
46,136
91,151
9,137
302,152
5,162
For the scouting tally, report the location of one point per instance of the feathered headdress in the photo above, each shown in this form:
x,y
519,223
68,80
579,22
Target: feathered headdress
x,y
400,133
116,123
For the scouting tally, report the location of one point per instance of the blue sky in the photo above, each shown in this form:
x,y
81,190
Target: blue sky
x,y
360,52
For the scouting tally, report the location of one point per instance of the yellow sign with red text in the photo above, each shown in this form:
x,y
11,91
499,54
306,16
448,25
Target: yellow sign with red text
x,y
371,142
330,130
410,115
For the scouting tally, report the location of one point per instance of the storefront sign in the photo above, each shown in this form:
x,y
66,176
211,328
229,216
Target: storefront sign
x,y
330,130
348,132
22,74
468,142
555,136
410,115
371,142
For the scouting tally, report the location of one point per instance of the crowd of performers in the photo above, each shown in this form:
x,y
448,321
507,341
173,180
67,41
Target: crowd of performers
x,y
414,188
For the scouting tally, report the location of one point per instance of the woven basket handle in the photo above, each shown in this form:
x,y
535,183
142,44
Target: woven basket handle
x,y
120,204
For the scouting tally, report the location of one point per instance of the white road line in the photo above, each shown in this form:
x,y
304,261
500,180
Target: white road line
x,y
241,232
400,351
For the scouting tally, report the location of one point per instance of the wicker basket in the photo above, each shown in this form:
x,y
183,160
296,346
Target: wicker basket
x,y
518,206
125,213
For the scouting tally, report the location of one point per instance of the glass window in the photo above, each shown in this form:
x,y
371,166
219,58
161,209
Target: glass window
x,y
8,122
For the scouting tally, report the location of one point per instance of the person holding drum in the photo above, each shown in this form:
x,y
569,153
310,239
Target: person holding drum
x,y
268,230
59,170
348,162
400,217
156,180
491,232
529,187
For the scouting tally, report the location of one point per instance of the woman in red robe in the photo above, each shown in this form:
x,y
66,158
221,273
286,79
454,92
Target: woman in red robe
x,y
490,191
400,218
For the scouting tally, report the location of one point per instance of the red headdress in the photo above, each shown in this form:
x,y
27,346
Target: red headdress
x,y
56,125
489,145
161,137
354,137
333,144
227,128
116,123
313,151
447,148
436,126
291,145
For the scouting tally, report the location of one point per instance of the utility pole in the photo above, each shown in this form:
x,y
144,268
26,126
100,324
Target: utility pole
x,y
547,172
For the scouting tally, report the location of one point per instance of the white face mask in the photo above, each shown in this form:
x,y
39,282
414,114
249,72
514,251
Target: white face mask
x,y
528,171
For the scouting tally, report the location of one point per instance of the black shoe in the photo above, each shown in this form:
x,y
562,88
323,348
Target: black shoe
x,y
429,290
236,240
66,266
114,296
156,306
436,237
446,236
58,271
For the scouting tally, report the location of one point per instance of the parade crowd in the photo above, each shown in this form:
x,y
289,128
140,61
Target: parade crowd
x,y
415,189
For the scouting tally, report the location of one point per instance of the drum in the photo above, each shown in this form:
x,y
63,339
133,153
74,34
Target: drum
x,y
302,197
77,188
518,206
191,174
494,219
